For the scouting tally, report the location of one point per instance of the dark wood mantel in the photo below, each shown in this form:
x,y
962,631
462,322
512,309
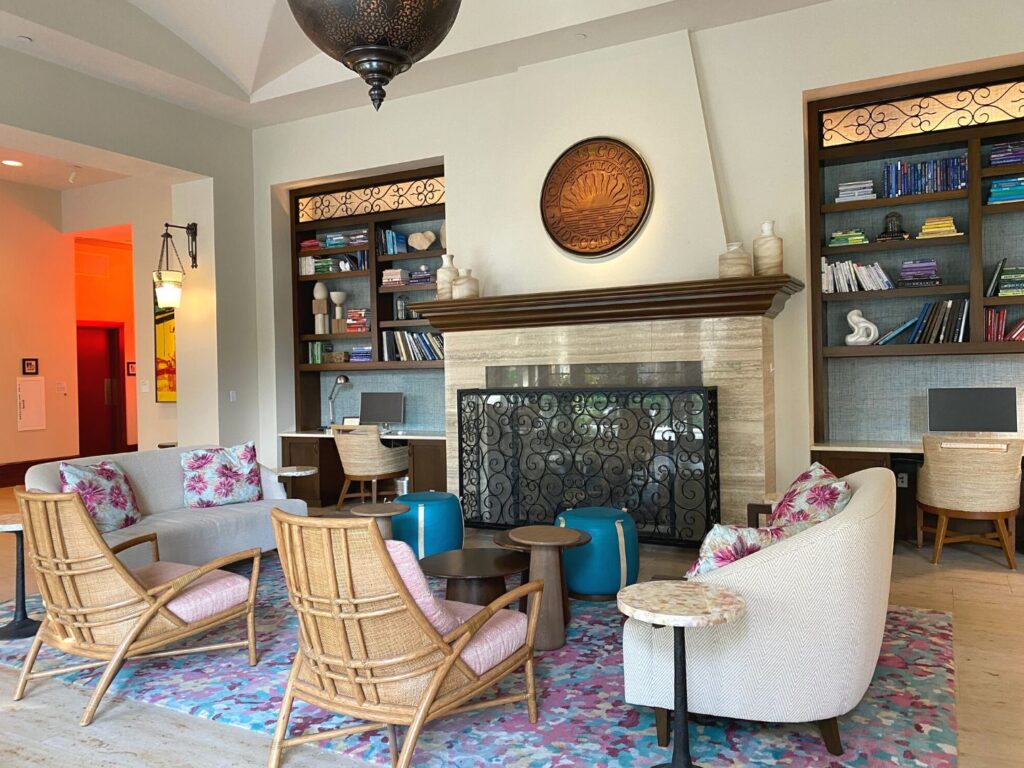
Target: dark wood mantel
x,y
663,301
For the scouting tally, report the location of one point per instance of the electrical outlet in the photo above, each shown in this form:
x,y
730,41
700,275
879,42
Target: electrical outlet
x,y
232,396
902,480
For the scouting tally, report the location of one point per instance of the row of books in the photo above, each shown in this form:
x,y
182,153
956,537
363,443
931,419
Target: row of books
x,y
995,326
849,277
405,277
847,237
856,190
361,354
323,352
343,239
940,322
925,177
938,226
394,242
1007,153
1006,281
313,265
1009,190
357,320
411,345
919,273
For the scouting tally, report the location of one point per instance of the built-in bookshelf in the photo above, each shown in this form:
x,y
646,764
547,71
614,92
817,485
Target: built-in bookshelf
x,y
346,235
961,184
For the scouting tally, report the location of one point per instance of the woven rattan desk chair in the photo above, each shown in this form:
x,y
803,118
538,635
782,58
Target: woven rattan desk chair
x,y
99,609
366,650
967,478
364,458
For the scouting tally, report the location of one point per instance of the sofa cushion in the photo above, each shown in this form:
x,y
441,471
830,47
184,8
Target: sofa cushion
x,y
502,635
215,477
408,567
210,594
726,544
815,495
105,492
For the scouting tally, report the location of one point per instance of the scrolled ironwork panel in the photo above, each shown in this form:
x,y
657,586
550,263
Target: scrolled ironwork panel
x,y
418,193
528,454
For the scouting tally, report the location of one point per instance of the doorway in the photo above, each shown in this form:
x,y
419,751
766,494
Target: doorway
x,y
101,400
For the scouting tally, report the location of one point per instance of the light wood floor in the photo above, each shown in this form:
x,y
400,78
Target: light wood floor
x,y
986,600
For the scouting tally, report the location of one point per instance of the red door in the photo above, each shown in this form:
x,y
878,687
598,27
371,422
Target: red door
x,y
100,402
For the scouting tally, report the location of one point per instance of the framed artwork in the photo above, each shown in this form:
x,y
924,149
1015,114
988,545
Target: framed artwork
x,y
131,367
30,366
166,359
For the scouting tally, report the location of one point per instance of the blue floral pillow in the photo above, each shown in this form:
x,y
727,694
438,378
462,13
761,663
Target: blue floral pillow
x,y
105,492
216,477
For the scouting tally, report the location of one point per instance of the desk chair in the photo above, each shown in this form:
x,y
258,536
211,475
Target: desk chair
x,y
970,479
364,458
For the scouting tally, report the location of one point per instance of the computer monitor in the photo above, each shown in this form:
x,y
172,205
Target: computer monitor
x,y
384,408
972,409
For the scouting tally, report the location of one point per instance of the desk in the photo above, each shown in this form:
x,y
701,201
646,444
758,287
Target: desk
x,y
428,469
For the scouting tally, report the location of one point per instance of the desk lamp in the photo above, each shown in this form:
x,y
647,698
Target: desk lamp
x,y
339,382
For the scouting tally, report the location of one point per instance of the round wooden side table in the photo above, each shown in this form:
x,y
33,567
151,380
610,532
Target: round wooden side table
x,y
502,539
382,512
290,473
475,575
680,604
21,625
546,543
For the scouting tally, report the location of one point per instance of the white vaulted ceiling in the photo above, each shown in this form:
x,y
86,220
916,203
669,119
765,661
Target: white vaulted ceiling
x,y
247,61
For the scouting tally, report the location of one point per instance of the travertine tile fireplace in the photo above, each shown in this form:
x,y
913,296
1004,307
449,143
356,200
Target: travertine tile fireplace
x,y
725,326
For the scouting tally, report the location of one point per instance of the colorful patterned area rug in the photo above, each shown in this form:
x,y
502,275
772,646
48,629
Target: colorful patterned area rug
x,y
907,717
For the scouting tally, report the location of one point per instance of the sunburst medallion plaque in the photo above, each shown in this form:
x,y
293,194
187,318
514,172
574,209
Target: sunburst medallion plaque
x,y
596,197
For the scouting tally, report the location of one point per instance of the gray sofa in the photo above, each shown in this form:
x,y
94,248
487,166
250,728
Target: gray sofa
x,y
189,536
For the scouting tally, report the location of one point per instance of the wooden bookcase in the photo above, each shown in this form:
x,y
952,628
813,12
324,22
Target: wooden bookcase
x,y
966,263
364,287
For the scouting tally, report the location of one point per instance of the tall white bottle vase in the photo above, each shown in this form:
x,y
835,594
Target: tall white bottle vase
x,y
768,251
446,275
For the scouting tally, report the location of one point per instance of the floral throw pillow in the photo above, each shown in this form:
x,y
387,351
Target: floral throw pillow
x,y
215,477
726,544
105,492
814,496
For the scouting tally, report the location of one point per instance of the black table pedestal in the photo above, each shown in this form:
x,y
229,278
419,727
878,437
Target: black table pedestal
x,y
21,625
681,721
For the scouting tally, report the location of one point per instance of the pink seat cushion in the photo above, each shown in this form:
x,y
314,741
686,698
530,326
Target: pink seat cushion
x,y
440,617
496,640
210,594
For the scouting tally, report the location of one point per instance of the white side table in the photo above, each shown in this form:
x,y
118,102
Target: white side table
x,y
680,604
21,625
290,472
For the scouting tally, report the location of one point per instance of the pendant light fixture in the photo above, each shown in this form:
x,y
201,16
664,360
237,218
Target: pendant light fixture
x,y
167,281
376,39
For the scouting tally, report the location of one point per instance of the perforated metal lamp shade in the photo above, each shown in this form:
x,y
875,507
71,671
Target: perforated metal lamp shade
x,y
377,39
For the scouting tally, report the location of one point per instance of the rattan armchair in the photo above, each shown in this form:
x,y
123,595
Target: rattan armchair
x,y
364,458
367,651
968,478
97,608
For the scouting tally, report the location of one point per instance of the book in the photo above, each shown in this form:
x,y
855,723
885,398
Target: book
x,y
895,332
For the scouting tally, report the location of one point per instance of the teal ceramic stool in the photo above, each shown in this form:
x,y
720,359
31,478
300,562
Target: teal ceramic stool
x,y
610,561
433,523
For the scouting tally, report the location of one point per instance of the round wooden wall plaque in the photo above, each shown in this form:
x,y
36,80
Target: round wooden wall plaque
x,y
596,197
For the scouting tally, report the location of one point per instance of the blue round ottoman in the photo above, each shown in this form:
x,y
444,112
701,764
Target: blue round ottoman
x,y
432,524
610,561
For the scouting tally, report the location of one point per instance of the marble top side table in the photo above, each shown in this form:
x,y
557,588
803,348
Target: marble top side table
x,y
21,625
680,604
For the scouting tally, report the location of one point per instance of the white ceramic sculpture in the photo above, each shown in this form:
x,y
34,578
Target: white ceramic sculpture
x,y
446,274
864,331
768,251
338,298
319,290
421,241
321,321
465,286
735,262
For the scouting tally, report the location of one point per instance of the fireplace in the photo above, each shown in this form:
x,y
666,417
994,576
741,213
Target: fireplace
x,y
526,454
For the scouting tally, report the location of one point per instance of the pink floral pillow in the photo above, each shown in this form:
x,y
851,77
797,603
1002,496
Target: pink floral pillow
x,y
216,477
726,544
814,496
105,492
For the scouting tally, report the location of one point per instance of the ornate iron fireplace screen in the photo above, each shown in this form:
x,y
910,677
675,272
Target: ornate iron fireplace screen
x,y
527,454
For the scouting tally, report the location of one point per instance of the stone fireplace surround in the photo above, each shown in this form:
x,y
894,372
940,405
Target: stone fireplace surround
x,y
726,325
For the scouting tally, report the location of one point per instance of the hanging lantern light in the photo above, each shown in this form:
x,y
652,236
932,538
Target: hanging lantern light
x,y
167,281
376,39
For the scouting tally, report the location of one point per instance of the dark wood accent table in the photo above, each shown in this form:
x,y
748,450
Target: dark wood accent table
x,y
475,576
20,625
546,543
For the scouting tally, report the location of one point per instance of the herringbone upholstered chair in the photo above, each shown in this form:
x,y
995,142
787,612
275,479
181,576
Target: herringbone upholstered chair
x,y
98,609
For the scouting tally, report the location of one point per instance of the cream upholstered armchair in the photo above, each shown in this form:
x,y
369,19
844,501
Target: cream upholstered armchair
x,y
364,458
968,478
374,644
807,647
99,609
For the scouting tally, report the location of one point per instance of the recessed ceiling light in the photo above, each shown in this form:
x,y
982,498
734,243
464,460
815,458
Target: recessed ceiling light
x,y
25,39
12,163
581,35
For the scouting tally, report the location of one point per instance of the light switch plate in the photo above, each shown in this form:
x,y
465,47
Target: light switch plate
x,y
144,385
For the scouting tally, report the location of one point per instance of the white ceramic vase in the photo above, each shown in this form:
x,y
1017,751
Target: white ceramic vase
x,y
338,298
864,332
446,275
735,262
465,286
768,251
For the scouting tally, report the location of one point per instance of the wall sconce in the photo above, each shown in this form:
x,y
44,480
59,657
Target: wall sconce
x,y
166,281
339,382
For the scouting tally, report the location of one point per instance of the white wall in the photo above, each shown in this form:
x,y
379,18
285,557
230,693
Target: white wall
x,y
498,138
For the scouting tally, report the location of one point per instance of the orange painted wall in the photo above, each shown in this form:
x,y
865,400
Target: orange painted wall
x,y
104,292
